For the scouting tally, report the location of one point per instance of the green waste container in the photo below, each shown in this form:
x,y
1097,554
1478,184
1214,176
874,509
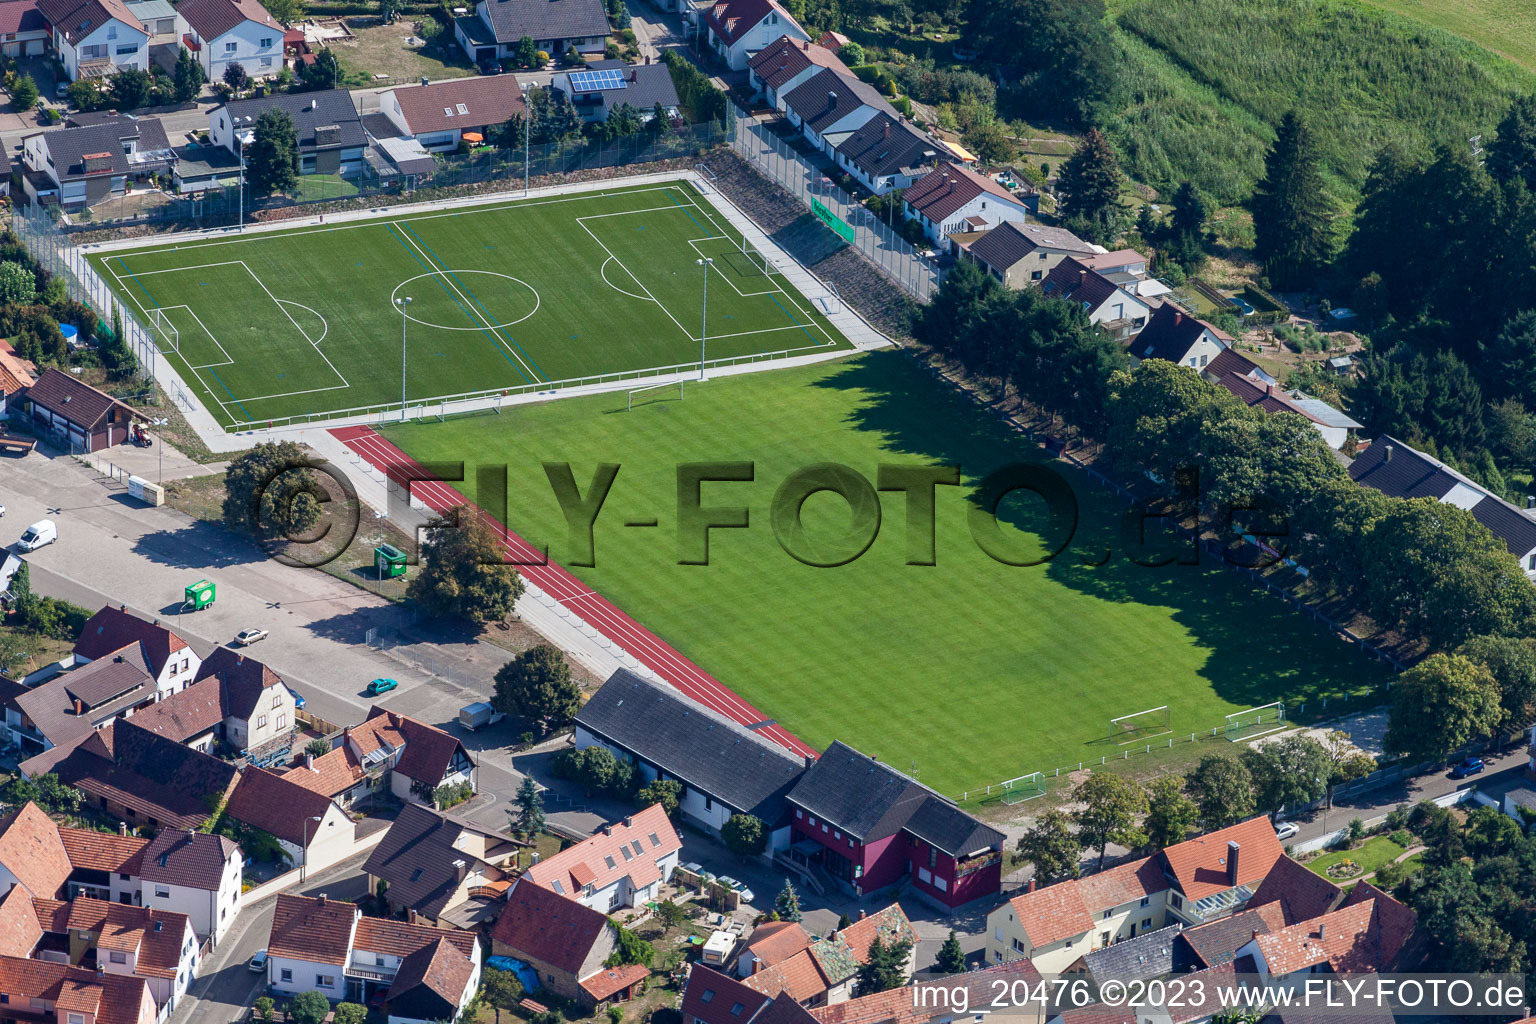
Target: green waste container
x,y
199,595
389,561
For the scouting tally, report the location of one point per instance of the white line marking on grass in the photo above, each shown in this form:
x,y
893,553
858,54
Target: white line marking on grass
x,y
177,270
634,276
228,359
603,271
326,324
313,343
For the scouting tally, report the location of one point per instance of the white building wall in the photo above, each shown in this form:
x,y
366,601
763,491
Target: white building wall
x,y
210,913
760,35
305,976
994,209
247,39
126,46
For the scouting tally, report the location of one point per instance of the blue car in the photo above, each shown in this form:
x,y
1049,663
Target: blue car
x,y
298,698
1471,766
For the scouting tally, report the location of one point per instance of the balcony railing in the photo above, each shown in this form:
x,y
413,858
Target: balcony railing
x,y
371,973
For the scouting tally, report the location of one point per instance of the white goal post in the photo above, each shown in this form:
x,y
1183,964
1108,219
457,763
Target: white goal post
x,y
1139,726
757,258
167,338
630,405
1251,722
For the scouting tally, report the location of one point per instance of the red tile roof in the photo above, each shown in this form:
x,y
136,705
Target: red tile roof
x,y
1052,913
245,680
889,925
939,193
31,848
612,980
732,19
1199,866
278,805
184,715
210,19
384,935
605,858
799,975
438,966
897,1005
19,16
103,851
112,629
1299,894
318,930
777,940
330,775
715,998
785,57
1122,884
157,937
19,929
1334,939
428,750
114,998
552,928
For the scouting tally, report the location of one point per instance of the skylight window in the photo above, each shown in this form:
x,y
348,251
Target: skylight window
x,y
627,855
639,850
655,841
462,108
558,887
610,863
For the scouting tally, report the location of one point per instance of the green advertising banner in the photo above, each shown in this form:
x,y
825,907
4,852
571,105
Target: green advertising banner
x,y
837,224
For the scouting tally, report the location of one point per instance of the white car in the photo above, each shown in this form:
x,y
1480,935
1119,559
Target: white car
x,y
246,637
747,896
1287,830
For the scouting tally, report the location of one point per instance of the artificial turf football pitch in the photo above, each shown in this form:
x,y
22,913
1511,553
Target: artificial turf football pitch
x,y
969,671
510,296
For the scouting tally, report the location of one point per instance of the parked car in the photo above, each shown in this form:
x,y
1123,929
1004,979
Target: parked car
x,y
1287,830
258,963
246,637
746,894
298,698
1471,766
37,535
2,511
379,686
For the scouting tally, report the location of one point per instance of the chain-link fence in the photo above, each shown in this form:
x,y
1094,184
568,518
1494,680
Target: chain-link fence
x,y
779,161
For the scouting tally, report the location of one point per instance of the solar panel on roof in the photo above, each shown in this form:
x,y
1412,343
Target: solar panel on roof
x,y
596,81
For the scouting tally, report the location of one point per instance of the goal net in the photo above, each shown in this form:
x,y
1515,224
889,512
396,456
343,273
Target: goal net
x,y
630,405
1025,787
1140,726
1245,725
757,260
167,338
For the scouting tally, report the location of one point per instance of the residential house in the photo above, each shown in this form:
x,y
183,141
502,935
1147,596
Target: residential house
x,y
441,870
1020,255
869,826
134,775
311,829
1394,468
196,874
831,105
16,374
886,153
771,944
330,134
194,717
964,995
723,767
1154,954
258,708
32,855
1336,427
328,946
1369,933
825,972
95,38
1179,337
1107,304
1205,996
623,865
71,412
68,707
1216,944
59,993
1128,269
1192,882
562,940
954,199
419,758
23,29
103,865
156,945
711,997
224,32
785,64
606,85
339,775
492,32
437,114
737,29
172,661
158,18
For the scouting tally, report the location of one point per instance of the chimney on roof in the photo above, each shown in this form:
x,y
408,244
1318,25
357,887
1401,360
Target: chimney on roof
x,y
1029,886
425,80
628,821
460,868
831,98
322,899
1178,318
863,914
1387,457
887,129
1530,501
607,828
122,828
155,623
314,104
122,607
79,706
191,833
1232,851
309,760
1322,931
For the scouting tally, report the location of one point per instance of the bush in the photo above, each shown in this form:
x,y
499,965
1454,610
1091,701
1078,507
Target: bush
x,y
1356,830
1397,818
309,1007
350,1013
1402,837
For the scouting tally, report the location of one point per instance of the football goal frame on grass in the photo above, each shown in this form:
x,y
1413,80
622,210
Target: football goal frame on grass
x,y
1251,722
1025,787
630,404
1140,726
167,338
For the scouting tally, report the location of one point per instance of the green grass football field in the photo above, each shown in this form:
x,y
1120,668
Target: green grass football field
x,y
971,670
508,296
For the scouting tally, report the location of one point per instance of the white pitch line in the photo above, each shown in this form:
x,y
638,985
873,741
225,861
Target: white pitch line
x,y
603,273
341,376
634,277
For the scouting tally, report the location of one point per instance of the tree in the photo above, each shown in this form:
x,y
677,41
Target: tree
x,y
630,948
528,818
1346,762
131,88
464,575
188,77
23,93
667,792
1223,790
1111,807
852,54
324,72
18,285
317,748
1511,356
787,903
262,488
1067,56
289,12
503,990
235,76
884,967
1170,814
1089,185
744,835
1512,151
1051,847
527,52
1291,212
1512,662
1440,705
389,11
350,1013
85,94
309,1007
1291,770
951,958
537,686
272,156
1190,211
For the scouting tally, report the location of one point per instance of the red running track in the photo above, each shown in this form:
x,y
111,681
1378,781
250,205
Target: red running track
x,y
591,607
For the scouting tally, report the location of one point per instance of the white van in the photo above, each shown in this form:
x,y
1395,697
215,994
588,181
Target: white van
x,y
38,534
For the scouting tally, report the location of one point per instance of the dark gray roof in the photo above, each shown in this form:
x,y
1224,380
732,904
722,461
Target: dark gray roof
x,y
416,857
1008,243
194,859
381,127
310,110
689,742
1409,473
827,97
1170,334
106,686
510,20
885,145
71,146
871,800
1148,955
646,85
1217,943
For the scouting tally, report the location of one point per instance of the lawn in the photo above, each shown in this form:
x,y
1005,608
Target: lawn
x,y
969,671
505,297
1371,855
1506,27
